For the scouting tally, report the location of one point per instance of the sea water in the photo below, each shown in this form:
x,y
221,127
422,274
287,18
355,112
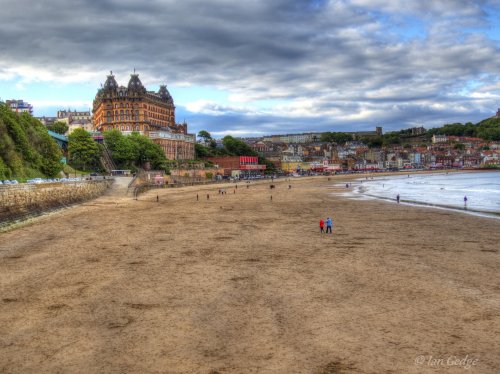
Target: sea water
x,y
444,190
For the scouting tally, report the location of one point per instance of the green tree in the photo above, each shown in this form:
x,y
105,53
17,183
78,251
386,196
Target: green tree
x,y
270,167
201,151
374,141
84,152
237,147
123,150
391,138
147,151
58,127
336,137
26,149
135,150
205,135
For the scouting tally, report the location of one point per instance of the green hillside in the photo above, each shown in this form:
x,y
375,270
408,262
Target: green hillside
x,y
26,149
488,129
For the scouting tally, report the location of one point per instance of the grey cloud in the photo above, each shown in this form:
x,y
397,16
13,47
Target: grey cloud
x,y
331,51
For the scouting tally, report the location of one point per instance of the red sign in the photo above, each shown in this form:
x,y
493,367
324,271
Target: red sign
x,y
245,160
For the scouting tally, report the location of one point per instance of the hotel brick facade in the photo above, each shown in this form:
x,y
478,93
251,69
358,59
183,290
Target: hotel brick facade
x,y
150,113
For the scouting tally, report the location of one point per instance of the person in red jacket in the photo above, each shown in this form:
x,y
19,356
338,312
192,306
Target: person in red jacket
x,y
321,226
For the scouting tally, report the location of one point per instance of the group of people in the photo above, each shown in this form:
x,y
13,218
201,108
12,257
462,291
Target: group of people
x,y
328,223
465,199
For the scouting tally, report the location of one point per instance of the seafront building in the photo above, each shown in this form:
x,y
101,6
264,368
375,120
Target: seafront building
x,y
19,106
76,119
293,138
238,166
47,120
150,113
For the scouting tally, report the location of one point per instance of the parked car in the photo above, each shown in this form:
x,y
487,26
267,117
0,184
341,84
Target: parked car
x,y
36,181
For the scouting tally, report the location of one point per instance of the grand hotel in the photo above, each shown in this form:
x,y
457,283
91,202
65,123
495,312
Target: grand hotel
x,y
150,113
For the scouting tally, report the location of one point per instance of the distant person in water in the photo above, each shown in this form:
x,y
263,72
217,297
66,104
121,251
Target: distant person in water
x,y
321,226
397,198
465,200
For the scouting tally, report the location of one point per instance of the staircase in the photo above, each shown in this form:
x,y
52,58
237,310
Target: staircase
x,y
106,160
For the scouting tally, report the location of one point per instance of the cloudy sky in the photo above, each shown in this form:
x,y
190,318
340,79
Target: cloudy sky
x,y
258,67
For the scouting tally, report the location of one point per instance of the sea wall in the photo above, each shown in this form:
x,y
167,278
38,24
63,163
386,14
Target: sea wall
x,y
25,200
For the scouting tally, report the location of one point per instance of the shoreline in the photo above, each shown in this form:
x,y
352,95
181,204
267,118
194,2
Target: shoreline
x,y
478,213
358,191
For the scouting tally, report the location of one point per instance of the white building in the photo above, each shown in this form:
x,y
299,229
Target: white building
x,y
439,139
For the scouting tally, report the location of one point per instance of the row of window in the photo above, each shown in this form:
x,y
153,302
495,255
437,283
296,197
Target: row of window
x,y
123,115
151,108
157,110
128,128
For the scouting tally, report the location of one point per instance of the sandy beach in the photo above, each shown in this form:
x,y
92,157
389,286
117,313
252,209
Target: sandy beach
x,y
242,284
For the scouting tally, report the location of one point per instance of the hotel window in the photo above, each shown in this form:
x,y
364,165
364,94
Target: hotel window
x,y
137,115
127,115
108,117
121,115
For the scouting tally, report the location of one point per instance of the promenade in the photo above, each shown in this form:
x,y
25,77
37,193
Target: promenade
x,y
238,283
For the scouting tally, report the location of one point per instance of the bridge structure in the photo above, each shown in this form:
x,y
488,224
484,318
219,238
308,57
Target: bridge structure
x,y
61,140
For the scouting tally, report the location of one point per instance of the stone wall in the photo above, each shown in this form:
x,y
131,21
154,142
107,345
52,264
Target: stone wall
x,y
26,200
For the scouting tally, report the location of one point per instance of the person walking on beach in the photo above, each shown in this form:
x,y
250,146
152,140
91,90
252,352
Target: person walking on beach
x,y
329,224
321,226
397,198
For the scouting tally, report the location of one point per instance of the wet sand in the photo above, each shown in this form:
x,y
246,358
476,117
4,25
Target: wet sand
x,y
242,284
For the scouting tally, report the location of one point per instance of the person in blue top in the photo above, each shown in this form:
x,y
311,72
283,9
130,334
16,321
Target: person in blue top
x,y
329,224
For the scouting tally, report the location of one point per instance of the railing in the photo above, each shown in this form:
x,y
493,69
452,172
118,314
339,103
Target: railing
x,y
106,160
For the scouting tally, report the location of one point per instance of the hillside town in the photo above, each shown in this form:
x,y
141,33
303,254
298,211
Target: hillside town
x,y
298,154
414,152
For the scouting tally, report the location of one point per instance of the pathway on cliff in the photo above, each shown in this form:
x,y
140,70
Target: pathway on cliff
x,y
120,186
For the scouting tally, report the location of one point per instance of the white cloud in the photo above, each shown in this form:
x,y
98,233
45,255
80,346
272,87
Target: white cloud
x,y
214,108
333,61
61,104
